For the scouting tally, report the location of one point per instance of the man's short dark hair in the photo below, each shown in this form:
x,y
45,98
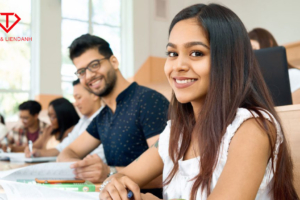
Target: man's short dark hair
x,y
86,42
76,82
33,107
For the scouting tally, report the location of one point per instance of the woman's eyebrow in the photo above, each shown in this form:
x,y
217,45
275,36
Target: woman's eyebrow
x,y
189,44
171,45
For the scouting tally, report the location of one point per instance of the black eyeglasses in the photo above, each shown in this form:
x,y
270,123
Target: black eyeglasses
x,y
92,67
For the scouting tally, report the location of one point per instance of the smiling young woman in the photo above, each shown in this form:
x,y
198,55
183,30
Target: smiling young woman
x,y
224,139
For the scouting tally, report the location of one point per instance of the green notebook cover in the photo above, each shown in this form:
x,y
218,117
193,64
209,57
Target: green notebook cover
x,y
77,187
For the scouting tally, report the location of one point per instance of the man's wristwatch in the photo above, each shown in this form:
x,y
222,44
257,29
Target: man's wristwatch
x,y
113,171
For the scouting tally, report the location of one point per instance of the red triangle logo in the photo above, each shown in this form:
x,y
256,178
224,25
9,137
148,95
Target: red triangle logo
x,y
7,29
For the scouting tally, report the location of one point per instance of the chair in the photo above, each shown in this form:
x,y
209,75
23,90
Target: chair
x,y
274,68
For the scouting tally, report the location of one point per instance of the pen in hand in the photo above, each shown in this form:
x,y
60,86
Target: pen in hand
x,y
30,147
129,194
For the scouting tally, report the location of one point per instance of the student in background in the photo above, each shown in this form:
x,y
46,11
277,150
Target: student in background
x,y
261,38
3,131
63,118
89,106
30,129
224,138
131,121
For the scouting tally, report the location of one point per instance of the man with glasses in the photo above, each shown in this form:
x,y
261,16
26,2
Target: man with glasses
x,y
131,121
30,129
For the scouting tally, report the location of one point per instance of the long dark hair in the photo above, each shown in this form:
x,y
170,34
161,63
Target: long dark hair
x,y
66,116
235,81
265,39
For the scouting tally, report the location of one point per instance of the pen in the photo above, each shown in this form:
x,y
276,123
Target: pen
x,y
30,147
129,194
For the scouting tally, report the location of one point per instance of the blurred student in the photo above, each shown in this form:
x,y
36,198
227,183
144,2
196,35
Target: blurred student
x,y
63,118
30,129
89,106
261,38
224,138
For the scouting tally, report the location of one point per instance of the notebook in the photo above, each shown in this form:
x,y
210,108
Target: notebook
x,y
20,157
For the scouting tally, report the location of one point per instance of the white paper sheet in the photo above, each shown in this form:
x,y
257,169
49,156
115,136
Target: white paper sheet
x,y
12,155
19,191
20,157
8,172
44,170
3,196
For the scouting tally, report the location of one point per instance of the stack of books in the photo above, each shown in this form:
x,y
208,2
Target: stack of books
x,y
77,187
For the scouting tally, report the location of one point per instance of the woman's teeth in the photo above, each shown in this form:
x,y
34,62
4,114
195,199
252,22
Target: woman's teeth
x,y
184,81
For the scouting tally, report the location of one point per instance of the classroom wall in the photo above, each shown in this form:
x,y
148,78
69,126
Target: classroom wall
x,y
46,53
282,18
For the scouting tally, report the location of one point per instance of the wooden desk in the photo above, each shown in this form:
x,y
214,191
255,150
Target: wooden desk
x,y
293,53
290,118
296,97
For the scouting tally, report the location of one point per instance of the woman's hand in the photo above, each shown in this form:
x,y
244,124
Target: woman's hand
x,y
34,153
117,186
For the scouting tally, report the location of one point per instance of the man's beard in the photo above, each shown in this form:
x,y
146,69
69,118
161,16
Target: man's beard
x,y
110,83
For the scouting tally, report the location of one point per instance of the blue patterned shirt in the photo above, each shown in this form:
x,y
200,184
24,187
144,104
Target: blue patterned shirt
x,y
141,113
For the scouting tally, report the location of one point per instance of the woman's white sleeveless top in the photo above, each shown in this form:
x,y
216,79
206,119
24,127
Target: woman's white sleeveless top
x,y
180,186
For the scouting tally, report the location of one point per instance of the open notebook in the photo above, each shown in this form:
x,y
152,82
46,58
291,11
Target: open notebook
x,y
20,157
22,191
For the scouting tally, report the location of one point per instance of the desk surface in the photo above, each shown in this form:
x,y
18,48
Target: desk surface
x,y
6,165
